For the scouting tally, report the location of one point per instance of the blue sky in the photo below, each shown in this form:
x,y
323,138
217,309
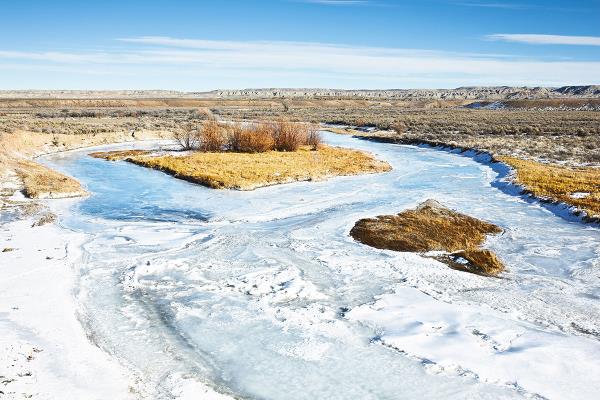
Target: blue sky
x,y
204,45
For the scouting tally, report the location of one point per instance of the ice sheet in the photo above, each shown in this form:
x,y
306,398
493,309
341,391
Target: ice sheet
x,y
263,294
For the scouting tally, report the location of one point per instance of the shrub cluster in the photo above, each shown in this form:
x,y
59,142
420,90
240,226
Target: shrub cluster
x,y
255,138
248,137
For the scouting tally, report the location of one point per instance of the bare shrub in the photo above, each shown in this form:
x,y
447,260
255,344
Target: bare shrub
x,y
202,113
280,136
208,136
313,136
212,137
256,138
288,136
188,137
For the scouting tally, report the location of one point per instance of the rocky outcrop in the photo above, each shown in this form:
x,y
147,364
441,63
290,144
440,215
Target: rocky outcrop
x,y
461,93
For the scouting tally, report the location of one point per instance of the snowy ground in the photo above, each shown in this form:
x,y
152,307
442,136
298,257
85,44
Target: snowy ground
x,y
44,351
263,294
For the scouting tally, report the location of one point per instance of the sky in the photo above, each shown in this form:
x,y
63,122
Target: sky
x,y
204,45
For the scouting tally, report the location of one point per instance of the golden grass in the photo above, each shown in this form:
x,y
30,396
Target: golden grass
x,y
483,259
39,181
42,182
117,155
341,130
559,183
432,227
247,171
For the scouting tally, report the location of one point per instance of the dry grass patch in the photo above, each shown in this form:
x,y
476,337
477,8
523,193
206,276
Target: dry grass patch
x,y
579,187
41,182
433,227
117,155
247,171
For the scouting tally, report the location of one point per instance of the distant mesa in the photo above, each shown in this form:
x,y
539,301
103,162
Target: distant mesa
x,y
462,93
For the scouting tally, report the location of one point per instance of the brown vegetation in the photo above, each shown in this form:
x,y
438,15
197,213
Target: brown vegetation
x,y
253,138
205,136
247,171
289,136
282,135
579,187
42,182
553,134
117,155
483,259
567,136
531,129
432,227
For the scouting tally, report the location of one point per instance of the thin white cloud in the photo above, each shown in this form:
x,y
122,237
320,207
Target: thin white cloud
x,y
547,39
179,62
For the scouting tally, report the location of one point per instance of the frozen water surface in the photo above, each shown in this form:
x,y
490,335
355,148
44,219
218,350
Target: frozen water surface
x,y
264,295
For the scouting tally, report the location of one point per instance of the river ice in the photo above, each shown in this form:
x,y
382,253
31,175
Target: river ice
x,y
264,295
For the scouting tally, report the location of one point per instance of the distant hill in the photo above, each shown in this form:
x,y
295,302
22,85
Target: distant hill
x,y
462,93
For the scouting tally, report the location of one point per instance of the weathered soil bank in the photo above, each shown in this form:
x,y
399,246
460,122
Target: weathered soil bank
x,y
19,171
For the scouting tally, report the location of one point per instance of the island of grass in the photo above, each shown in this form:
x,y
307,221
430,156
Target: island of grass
x,y
246,157
432,227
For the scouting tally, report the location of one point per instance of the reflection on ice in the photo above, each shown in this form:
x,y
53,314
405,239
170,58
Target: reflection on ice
x,y
263,294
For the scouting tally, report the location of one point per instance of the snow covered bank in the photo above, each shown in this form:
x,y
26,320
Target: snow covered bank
x,y
264,294
492,346
44,351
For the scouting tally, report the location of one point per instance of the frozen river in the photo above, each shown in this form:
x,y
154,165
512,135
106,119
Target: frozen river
x,y
263,294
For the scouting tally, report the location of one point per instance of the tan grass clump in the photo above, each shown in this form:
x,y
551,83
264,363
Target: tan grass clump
x,y
117,155
247,171
42,182
431,227
559,183
484,259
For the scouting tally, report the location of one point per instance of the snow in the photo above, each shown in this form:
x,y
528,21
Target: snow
x,y
44,351
186,290
579,195
495,347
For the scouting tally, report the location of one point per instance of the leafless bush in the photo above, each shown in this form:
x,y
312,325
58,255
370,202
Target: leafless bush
x,y
280,136
289,136
208,136
212,137
188,137
499,131
255,138
313,136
